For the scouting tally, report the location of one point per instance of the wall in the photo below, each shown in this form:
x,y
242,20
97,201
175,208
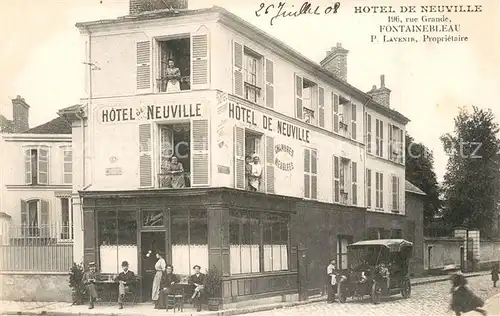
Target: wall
x,y
37,287
414,211
490,253
444,252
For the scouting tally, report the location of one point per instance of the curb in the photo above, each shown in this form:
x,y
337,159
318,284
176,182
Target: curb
x,y
237,311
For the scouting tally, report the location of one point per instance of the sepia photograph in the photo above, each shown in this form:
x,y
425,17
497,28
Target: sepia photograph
x,y
281,158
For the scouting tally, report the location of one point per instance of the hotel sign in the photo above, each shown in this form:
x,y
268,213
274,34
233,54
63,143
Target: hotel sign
x,y
249,116
150,112
283,157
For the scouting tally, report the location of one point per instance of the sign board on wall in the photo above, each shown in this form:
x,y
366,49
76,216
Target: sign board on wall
x,y
150,112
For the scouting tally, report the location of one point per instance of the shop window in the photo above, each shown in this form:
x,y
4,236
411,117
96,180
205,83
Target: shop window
x,y
117,240
189,234
152,219
66,218
35,218
275,243
175,142
174,64
342,242
244,238
36,166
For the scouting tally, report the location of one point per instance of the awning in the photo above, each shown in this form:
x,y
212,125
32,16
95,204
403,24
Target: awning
x,y
393,245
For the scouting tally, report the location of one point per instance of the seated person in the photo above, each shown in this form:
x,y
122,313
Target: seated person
x,y
89,279
126,279
168,280
198,280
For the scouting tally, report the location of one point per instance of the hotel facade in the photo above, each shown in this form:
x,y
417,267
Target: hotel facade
x,y
331,155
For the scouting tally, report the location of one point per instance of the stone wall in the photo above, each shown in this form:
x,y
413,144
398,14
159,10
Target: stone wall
x,y
42,287
490,253
442,253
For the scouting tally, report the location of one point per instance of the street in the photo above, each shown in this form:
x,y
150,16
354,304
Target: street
x,y
426,300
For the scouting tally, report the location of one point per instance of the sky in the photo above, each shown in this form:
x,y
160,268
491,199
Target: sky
x,y
42,52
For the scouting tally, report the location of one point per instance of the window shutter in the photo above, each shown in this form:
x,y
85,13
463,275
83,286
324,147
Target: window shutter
x,y
200,60
321,101
336,179
307,170
143,75
314,176
354,182
368,188
43,166
335,110
298,97
381,190
44,218
239,158
270,164
145,156
402,146
269,84
389,143
381,131
238,69
67,166
353,121
200,174
27,167
369,133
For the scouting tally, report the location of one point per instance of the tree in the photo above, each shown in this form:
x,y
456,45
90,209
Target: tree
x,y
420,171
472,180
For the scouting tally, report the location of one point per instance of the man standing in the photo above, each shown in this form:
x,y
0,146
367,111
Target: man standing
x,y
126,279
198,280
331,271
89,279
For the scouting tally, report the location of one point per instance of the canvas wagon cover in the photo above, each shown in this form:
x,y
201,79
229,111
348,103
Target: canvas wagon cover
x,y
394,245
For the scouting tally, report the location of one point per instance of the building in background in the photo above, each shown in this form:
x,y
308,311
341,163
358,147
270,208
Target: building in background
x,y
283,161
20,117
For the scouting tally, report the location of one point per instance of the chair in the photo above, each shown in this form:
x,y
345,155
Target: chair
x,y
175,299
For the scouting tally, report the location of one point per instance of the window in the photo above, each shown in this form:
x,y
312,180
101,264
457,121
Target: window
x,y
344,178
368,188
117,240
379,134
67,166
257,242
254,178
253,75
379,190
336,179
395,194
245,240
174,64
342,242
353,121
36,166
354,184
307,99
189,233
66,218
310,173
396,233
395,144
368,133
35,218
175,141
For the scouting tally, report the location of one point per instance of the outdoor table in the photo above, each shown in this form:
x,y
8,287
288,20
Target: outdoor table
x,y
108,287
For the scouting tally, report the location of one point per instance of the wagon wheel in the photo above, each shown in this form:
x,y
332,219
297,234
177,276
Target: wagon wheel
x,y
342,297
406,289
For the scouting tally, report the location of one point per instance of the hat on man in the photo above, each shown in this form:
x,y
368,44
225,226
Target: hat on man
x,y
124,264
92,264
196,266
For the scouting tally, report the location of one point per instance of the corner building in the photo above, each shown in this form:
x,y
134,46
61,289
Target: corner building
x,y
241,92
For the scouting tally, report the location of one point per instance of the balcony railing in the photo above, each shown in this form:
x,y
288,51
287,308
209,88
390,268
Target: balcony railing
x,y
185,84
344,197
165,181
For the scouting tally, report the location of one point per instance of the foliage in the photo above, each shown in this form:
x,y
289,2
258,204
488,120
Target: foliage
x,y
76,282
213,282
420,172
151,5
472,180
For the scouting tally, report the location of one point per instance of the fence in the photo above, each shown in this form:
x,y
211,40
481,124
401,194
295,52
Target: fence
x,y
37,248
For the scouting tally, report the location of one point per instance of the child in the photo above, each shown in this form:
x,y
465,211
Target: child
x,y
494,275
462,299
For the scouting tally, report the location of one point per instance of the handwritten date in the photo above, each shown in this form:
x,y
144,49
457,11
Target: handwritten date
x,y
282,9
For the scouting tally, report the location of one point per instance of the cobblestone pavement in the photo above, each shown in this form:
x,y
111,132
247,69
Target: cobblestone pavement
x,y
426,300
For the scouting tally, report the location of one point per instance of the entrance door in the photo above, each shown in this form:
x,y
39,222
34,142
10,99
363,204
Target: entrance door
x,y
151,242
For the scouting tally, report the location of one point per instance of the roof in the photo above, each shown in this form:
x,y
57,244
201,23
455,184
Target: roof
x,y
57,126
5,215
391,244
410,187
70,109
250,30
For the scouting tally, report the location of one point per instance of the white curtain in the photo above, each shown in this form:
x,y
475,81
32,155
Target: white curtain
x,y
184,257
284,257
275,257
111,257
268,258
235,258
244,258
255,258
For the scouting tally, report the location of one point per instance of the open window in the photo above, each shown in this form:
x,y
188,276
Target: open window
x,y
36,166
342,115
310,101
253,75
175,156
174,63
253,161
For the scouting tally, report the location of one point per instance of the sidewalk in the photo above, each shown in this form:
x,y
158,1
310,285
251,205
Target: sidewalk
x,y
146,309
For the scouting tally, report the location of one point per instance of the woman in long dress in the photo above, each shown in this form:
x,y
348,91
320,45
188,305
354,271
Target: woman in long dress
x,y
176,172
173,76
256,173
160,268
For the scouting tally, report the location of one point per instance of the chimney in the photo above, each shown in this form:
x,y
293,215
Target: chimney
x,y
381,95
336,61
20,114
138,6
